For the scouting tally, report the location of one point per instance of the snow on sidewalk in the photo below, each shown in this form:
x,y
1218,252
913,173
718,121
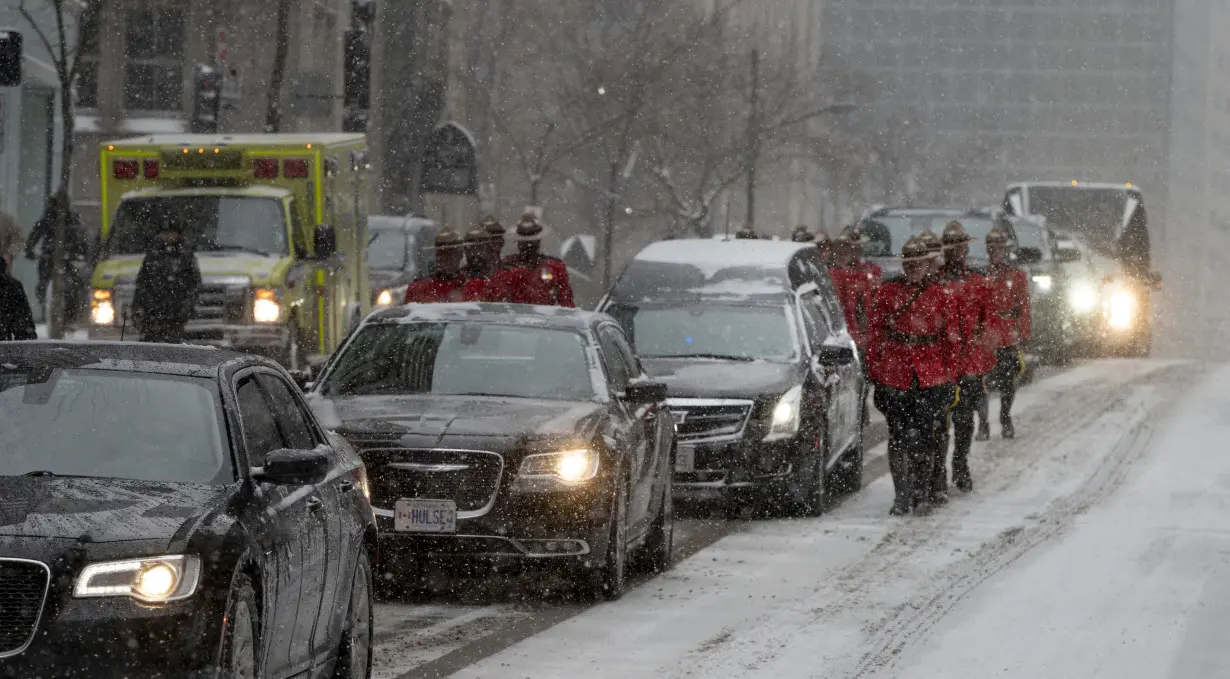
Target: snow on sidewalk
x,y
833,597
1139,588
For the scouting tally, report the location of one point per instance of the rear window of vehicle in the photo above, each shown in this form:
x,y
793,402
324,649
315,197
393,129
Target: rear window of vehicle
x,y
112,425
730,331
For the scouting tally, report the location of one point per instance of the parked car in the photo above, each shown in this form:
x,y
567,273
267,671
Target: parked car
x,y
506,435
398,251
764,381
175,512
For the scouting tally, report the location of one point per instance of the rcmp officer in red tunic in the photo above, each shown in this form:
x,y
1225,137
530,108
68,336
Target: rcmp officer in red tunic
x,y
487,278
542,279
938,484
913,335
1010,324
497,232
447,282
973,359
855,282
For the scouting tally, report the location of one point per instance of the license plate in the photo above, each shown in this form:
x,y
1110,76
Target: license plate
x,y
685,458
425,516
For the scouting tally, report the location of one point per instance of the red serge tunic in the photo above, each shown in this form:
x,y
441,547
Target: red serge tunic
x,y
436,289
969,289
1010,322
544,281
914,335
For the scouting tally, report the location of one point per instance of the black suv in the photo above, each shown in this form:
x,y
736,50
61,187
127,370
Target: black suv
x,y
764,383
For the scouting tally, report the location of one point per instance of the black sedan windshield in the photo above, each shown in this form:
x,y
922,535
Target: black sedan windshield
x,y
209,223
457,358
111,425
664,330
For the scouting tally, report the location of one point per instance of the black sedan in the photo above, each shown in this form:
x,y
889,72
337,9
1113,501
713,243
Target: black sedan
x,y
175,512
502,434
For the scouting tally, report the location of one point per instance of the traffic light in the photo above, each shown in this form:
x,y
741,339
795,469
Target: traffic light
x,y
206,100
10,58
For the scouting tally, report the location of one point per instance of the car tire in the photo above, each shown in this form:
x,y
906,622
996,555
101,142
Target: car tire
x,y
657,554
809,497
608,581
354,654
241,636
849,477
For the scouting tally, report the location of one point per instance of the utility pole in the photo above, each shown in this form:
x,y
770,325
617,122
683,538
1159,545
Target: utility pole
x,y
753,140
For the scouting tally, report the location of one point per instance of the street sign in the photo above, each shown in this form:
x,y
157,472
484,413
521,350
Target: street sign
x,y
580,252
450,162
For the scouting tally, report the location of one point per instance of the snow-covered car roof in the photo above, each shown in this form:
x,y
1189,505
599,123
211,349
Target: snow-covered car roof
x,y
561,318
712,256
161,359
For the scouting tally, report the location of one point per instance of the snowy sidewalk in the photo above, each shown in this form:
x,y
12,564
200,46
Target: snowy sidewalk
x,y
841,595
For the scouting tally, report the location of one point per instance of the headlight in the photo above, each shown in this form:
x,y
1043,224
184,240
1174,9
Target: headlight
x,y
385,298
1121,310
1044,283
102,308
265,308
570,466
155,580
785,422
1083,298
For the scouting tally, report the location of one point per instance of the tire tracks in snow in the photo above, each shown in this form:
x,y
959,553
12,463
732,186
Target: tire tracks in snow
x,y
1056,425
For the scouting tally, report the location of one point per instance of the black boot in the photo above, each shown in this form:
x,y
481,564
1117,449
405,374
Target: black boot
x,y
984,431
899,468
1006,426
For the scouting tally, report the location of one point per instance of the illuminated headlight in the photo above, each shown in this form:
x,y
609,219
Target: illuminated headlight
x,y
570,466
265,307
385,298
1083,298
154,580
1121,310
102,308
1044,283
785,418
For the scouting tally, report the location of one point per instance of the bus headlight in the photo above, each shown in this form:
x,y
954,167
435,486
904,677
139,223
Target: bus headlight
x,y
1083,298
102,308
265,307
1121,310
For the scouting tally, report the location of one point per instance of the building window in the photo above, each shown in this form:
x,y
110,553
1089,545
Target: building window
x,y
154,59
87,63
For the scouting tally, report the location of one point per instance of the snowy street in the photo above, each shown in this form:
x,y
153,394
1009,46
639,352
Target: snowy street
x,y
1090,543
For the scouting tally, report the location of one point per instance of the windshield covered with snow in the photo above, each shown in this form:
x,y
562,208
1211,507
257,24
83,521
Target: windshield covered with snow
x,y
457,358
209,224
734,331
111,425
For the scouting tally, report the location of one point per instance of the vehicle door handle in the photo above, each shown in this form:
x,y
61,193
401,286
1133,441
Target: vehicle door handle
x,y
315,504
346,486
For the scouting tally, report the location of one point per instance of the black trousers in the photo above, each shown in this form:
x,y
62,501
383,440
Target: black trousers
x,y
911,416
960,418
163,332
1009,366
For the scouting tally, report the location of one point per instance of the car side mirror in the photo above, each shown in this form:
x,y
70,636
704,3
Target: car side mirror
x,y
303,378
287,467
832,357
645,392
1067,255
1028,255
324,241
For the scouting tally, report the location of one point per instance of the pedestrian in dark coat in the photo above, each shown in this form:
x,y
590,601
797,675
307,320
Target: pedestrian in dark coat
x,y
16,320
167,288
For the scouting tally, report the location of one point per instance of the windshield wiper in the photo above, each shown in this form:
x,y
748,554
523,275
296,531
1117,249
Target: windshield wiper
x,y
718,357
237,248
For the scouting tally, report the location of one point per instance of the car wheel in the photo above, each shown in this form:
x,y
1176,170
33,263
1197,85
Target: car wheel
x,y
656,555
354,657
810,492
239,646
608,581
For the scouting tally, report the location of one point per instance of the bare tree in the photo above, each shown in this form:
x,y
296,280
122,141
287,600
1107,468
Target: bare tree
x,y
281,51
65,53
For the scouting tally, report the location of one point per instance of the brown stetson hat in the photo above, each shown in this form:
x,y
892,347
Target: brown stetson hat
x,y
448,239
529,228
915,250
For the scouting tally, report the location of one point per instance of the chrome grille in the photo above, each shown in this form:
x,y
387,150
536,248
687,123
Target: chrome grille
x,y
222,303
706,419
470,478
23,589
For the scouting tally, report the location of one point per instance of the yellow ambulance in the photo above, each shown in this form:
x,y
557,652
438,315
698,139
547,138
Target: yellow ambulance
x,y
278,223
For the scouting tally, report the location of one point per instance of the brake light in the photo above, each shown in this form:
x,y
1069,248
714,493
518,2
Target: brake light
x,y
296,169
151,169
265,168
125,169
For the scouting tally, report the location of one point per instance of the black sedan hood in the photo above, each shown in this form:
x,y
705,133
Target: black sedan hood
x,y
430,419
102,510
710,378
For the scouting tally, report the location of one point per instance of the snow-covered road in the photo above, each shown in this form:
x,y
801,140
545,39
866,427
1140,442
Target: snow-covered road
x,y
1098,523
